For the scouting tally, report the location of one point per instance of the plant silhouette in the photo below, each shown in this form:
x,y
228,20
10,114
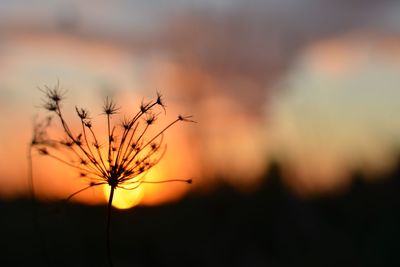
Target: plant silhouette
x,y
39,136
122,160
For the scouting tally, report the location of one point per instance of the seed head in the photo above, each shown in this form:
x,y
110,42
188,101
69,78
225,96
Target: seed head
x,y
160,101
109,107
50,106
82,113
53,97
128,151
150,118
88,124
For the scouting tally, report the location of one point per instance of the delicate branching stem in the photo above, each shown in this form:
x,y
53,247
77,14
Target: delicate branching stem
x,y
31,184
128,146
70,135
32,190
30,177
97,148
149,142
81,190
109,137
86,140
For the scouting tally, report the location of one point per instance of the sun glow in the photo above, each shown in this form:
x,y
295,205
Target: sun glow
x,y
125,199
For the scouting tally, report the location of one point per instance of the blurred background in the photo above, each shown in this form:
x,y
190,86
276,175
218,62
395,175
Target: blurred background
x,y
295,157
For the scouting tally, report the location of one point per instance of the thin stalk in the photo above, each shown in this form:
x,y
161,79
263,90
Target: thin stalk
x,y
109,139
31,184
97,148
81,190
109,207
30,180
86,140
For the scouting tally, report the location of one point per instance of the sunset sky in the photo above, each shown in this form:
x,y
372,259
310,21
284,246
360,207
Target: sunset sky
x,y
264,80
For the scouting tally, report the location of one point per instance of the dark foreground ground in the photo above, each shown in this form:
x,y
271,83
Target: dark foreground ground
x,y
269,228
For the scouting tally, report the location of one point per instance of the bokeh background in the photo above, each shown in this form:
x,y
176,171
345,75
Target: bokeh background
x,y
295,156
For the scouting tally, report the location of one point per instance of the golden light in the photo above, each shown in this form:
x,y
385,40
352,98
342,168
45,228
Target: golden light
x,y
125,199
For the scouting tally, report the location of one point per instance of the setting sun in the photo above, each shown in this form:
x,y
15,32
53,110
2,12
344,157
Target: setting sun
x,y
125,199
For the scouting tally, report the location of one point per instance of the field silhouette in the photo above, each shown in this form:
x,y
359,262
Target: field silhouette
x,y
272,227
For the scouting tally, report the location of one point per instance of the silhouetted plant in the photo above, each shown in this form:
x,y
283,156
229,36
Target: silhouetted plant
x,y
39,136
120,161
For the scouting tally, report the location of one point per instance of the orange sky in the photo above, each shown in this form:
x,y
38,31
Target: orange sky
x,y
327,116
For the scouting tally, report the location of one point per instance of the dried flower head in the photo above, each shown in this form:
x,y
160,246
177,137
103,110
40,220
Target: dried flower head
x,y
110,107
130,152
39,135
53,97
120,161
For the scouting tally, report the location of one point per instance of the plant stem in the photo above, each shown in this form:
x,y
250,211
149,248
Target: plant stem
x,y
109,207
30,180
32,194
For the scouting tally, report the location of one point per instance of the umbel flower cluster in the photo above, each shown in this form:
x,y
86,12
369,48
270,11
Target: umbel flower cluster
x,y
130,149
